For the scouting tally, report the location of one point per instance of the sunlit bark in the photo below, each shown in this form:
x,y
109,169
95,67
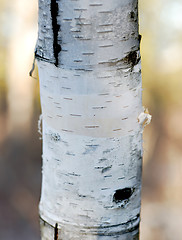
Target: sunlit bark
x,y
90,84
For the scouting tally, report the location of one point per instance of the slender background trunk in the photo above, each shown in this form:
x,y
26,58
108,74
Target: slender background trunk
x,y
90,84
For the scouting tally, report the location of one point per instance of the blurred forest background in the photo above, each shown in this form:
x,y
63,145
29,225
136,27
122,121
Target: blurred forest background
x,y
20,146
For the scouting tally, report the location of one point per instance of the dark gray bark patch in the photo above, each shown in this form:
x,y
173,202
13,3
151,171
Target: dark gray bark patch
x,y
129,230
56,29
132,15
131,59
55,137
39,54
106,169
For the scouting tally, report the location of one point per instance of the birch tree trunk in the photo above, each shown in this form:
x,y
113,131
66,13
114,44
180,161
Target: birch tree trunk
x,y
90,86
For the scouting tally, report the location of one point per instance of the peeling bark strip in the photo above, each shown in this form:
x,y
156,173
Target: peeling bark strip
x,y
91,99
56,29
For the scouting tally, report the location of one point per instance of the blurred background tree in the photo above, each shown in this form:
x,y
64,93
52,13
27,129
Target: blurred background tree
x,y
20,147
161,49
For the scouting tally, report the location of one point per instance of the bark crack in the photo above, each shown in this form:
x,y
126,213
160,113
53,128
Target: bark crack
x,y
56,28
56,232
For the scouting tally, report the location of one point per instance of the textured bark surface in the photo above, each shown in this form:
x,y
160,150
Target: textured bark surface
x,y
90,84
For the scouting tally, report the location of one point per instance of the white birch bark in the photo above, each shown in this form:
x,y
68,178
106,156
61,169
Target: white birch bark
x,y
90,85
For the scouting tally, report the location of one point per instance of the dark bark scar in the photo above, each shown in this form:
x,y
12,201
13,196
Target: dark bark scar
x,y
56,29
56,232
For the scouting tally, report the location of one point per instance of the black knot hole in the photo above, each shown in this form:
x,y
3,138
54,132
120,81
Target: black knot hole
x,y
122,194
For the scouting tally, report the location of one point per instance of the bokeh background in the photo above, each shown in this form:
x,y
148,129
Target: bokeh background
x,y
20,146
